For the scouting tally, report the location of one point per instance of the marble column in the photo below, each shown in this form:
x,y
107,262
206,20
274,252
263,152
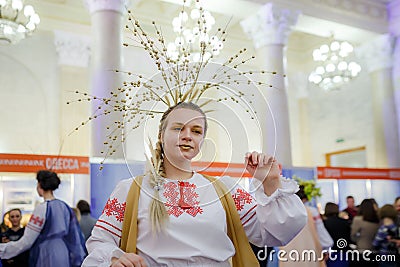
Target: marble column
x,y
269,29
107,19
377,55
393,9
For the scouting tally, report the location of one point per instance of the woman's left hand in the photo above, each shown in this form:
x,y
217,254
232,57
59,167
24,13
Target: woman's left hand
x,y
264,168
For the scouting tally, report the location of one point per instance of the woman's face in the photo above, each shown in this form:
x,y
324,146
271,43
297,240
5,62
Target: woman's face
x,y
15,218
183,135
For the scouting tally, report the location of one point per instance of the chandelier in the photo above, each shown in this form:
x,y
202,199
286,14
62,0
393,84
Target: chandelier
x,y
16,21
334,68
193,42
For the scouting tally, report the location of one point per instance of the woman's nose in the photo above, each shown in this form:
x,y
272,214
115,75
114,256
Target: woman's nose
x,y
186,134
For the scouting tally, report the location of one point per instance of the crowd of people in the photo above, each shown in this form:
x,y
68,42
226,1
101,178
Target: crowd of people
x,y
367,234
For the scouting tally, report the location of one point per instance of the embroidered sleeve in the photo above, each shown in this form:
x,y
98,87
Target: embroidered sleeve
x,y
245,204
32,231
104,241
269,220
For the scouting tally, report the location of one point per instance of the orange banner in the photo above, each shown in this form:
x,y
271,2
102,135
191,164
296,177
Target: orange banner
x,y
34,163
357,173
221,168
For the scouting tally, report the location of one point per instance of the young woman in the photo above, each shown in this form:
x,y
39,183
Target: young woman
x,y
174,216
52,234
13,234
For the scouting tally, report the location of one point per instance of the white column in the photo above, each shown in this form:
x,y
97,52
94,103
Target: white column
x,y
106,17
394,26
269,30
377,55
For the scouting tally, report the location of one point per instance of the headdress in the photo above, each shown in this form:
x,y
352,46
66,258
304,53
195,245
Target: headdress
x,y
178,80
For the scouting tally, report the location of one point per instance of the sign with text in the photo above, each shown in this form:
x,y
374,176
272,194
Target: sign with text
x,y
34,163
357,173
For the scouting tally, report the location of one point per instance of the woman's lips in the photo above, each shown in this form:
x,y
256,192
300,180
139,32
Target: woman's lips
x,y
185,147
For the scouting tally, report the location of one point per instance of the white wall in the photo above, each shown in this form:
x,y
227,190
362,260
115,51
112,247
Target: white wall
x,y
29,96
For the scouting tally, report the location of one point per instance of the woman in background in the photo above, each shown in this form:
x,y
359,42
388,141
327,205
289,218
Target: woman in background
x,y
363,230
365,225
13,234
339,229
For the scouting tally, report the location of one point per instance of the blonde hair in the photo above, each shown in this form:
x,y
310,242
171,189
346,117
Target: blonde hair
x,y
158,213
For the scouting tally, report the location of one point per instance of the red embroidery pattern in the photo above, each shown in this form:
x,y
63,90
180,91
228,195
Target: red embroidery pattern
x,y
241,197
115,208
36,220
181,198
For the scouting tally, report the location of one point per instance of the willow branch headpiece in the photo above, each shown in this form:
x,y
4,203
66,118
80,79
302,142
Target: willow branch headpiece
x,y
178,80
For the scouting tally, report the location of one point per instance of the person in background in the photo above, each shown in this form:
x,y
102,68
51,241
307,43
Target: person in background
x,y
397,222
365,225
52,234
3,226
363,230
339,229
87,222
397,208
387,230
13,234
351,209
77,213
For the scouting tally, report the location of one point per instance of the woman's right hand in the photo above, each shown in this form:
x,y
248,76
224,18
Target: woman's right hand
x,y
128,260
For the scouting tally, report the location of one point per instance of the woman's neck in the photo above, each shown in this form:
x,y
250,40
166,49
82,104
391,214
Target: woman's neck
x,y
387,221
174,172
48,195
15,228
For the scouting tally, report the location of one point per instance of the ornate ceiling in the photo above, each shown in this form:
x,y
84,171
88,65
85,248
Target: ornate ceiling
x,y
352,20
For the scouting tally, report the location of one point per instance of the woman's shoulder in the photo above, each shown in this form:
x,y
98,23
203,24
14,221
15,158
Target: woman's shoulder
x,y
123,186
126,182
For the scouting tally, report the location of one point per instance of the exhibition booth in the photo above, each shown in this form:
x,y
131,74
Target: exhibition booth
x,y
18,179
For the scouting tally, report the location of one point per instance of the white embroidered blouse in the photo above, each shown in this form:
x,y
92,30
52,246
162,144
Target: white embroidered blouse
x,y
196,232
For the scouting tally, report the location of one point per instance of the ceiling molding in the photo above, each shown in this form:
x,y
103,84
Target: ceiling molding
x,y
363,14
